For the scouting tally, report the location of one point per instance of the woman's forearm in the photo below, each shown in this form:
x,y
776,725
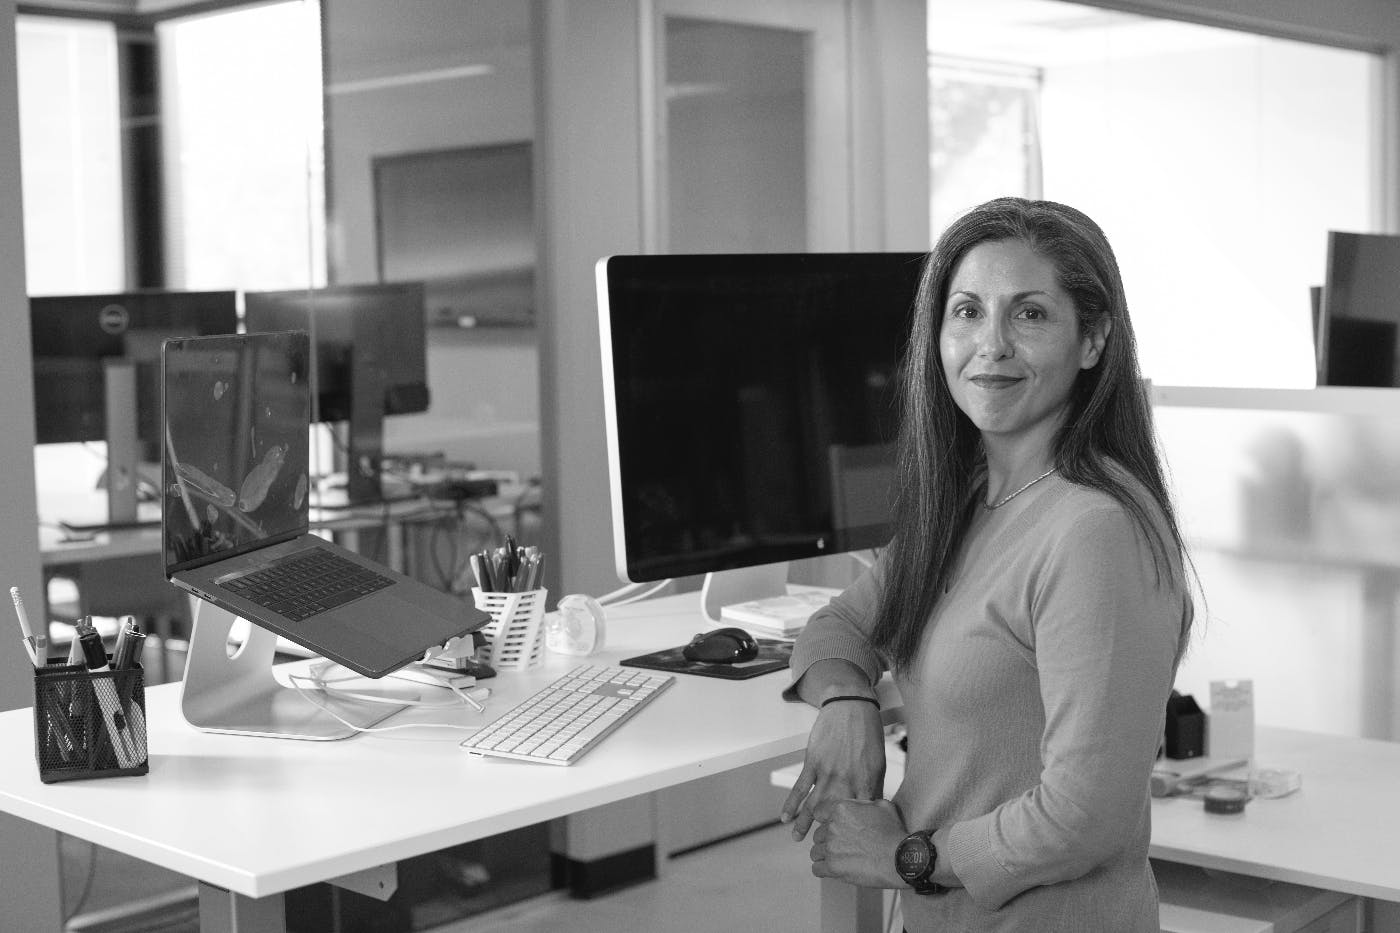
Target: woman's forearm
x,y
833,677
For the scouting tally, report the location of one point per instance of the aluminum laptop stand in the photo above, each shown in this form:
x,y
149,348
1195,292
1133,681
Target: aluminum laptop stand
x,y
236,691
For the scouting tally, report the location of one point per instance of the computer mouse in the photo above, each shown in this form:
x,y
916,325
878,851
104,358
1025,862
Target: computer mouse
x,y
721,646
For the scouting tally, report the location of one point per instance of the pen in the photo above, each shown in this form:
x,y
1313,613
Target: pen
x,y
36,645
512,556
124,652
114,721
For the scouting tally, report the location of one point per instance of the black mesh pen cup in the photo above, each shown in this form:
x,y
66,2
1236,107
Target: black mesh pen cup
x,y
89,724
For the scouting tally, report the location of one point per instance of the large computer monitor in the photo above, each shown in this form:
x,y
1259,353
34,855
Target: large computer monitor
x,y
97,372
751,410
1358,326
370,346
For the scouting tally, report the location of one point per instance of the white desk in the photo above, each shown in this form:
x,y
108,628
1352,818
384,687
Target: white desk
x,y
253,818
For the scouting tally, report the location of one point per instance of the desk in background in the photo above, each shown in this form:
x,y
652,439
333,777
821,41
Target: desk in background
x,y
1337,833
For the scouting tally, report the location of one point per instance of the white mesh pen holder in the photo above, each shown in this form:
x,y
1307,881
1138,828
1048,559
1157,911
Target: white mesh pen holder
x,y
516,629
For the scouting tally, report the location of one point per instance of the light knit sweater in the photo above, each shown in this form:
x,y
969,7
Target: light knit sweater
x,y
1034,709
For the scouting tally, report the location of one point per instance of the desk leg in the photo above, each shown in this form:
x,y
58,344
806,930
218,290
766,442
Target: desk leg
x,y
847,908
223,911
1380,701
30,887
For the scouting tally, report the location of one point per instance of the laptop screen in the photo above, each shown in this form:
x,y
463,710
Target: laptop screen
x,y
237,414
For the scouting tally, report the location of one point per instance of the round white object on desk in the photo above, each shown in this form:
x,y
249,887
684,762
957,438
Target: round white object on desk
x,y
577,627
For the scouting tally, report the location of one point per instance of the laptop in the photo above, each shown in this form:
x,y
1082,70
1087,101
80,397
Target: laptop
x,y
235,511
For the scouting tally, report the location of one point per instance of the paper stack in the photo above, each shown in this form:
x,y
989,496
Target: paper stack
x,y
776,616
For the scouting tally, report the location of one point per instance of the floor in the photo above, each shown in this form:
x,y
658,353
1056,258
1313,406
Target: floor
x,y
757,881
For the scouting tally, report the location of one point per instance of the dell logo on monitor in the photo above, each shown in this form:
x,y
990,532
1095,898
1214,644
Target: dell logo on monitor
x,y
113,319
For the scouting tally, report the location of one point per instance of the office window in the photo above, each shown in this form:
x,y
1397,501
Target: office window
x,y
244,163
1215,160
984,134
70,150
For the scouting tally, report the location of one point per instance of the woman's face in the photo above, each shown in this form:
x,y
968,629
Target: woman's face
x,y
1010,342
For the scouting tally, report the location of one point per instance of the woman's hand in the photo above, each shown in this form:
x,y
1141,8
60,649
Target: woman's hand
x,y
856,841
845,761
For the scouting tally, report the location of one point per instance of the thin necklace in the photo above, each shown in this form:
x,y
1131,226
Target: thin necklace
x,y
996,505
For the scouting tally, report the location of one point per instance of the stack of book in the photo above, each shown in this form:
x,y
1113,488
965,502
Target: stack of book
x,y
777,616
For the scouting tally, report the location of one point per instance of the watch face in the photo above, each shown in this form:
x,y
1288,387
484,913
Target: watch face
x,y
912,858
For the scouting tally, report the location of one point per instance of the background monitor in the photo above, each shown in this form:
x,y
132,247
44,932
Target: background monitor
x,y
369,343
97,376
750,405
73,336
1358,328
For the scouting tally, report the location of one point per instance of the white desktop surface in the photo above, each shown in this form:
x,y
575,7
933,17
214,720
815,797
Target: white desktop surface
x,y
1337,832
261,816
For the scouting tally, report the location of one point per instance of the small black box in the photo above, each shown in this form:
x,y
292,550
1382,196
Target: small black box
x,y
1186,727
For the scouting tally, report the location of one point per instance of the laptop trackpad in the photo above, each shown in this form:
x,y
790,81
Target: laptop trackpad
x,y
404,625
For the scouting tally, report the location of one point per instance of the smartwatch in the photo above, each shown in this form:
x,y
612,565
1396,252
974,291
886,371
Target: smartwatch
x,y
915,859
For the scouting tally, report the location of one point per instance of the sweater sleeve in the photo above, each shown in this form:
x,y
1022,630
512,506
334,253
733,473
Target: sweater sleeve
x,y
1105,629
841,630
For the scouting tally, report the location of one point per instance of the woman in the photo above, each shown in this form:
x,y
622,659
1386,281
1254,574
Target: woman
x,y
1032,604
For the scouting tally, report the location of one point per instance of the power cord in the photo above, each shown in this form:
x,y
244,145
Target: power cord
x,y
631,593
316,682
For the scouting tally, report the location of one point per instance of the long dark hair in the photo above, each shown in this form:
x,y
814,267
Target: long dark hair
x,y
940,450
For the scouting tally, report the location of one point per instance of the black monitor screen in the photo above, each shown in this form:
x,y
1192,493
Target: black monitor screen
x,y
383,324
751,405
73,334
237,409
1358,328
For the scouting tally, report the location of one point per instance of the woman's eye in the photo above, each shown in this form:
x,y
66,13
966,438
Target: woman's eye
x,y
964,311
1033,313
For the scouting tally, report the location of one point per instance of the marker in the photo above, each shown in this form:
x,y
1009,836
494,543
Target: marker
x,y
113,719
36,645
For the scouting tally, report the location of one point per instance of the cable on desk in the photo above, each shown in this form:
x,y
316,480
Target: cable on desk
x,y
316,682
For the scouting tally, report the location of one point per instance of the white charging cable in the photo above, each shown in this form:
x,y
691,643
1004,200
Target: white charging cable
x,y
632,593
316,682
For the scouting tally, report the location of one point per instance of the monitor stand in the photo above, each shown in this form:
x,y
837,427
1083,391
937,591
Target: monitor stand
x,y
238,693
364,442
123,451
727,587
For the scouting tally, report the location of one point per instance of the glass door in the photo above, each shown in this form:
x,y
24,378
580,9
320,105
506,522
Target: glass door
x,y
749,151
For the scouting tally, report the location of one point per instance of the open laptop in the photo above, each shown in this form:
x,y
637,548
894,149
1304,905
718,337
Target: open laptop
x,y
235,480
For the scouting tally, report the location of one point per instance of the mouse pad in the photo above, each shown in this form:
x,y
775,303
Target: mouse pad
x,y
773,655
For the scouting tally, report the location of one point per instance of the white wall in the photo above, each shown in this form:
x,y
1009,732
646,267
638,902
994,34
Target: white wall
x,y
29,864
19,558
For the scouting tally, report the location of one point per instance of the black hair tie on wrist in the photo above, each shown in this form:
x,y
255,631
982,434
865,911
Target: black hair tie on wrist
x,y
850,696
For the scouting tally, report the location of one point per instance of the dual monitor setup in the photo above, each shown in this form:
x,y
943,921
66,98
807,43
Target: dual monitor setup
x,y
97,368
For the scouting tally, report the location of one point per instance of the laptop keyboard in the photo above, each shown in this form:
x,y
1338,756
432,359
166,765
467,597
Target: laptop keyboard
x,y
557,725
306,583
